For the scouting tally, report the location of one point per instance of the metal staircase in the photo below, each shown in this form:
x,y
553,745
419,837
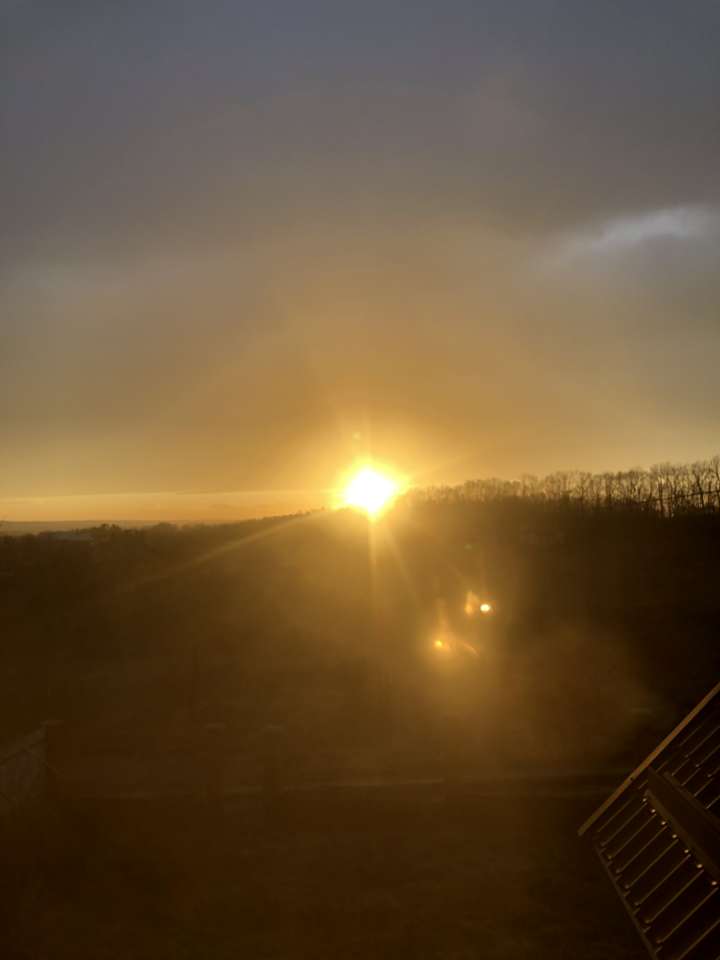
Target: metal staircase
x,y
658,839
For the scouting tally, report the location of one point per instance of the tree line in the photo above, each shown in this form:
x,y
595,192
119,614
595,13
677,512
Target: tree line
x,y
669,489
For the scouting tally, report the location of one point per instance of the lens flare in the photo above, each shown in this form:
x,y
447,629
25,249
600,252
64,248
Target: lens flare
x,y
473,605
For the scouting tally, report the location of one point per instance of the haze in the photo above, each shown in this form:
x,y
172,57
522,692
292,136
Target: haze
x,y
244,244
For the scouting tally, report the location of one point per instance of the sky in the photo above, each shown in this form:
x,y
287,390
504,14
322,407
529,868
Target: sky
x,y
244,244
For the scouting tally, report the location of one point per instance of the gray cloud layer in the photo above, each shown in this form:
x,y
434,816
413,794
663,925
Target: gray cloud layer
x,y
483,235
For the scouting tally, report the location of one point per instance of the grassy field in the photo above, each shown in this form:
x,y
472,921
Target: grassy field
x,y
419,872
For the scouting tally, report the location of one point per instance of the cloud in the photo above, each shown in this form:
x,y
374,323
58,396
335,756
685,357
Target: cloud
x,y
619,237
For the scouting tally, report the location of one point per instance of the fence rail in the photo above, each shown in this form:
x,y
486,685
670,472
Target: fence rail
x,y
658,839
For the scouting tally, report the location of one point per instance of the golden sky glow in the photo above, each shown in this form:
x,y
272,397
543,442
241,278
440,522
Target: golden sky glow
x,y
279,238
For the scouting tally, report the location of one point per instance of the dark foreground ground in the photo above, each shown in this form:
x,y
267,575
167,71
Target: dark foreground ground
x,y
414,871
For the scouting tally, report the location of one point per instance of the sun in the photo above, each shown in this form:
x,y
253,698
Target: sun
x,y
370,491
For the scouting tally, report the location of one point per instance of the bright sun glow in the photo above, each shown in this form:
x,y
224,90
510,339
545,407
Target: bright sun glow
x,y
370,491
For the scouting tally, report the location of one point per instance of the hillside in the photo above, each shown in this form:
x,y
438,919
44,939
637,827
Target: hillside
x,y
603,629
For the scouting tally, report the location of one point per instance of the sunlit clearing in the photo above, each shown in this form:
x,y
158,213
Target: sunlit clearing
x,y
369,491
